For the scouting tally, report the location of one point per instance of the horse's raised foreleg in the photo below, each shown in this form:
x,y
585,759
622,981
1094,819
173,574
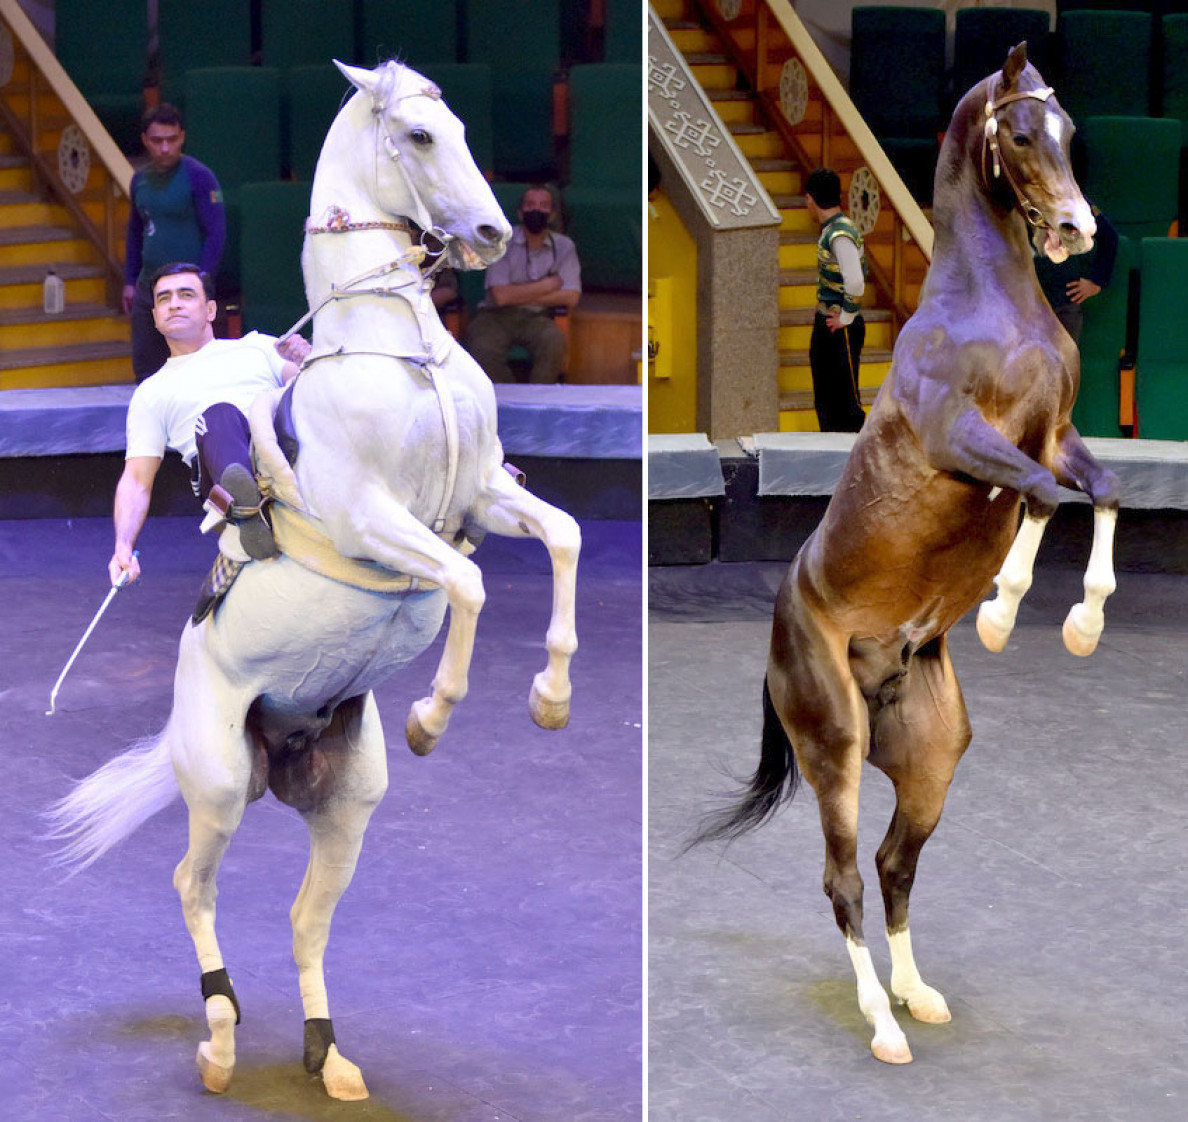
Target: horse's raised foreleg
x,y
825,717
353,749
996,618
916,739
212,760
1076,467
507,508
380,528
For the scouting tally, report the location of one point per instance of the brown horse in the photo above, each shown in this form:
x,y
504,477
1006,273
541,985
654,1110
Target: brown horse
x,y
973,418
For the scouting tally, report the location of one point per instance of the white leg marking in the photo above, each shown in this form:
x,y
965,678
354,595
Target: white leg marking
x,y
216,1056
996,618
923,1002
889,1043
1086,620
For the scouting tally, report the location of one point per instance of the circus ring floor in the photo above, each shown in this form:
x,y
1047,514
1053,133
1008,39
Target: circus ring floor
x,y
1050,908
484,964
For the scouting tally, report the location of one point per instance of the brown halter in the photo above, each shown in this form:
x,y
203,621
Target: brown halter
x,y
990,143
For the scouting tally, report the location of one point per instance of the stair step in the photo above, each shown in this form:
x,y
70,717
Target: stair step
x,y
77,311
772,163
20,235
800,317
16,198
707,58
871,356
798,276
803,399
35,274
723,93
789,202
742,128
71,352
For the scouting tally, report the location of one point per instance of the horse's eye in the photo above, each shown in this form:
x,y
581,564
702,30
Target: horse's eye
x,y
1021,141
420,136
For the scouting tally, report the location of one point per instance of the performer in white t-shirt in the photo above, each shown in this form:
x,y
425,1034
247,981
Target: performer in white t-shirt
x,y
196,404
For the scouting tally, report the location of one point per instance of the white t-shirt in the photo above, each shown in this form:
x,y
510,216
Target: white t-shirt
x,y
165,407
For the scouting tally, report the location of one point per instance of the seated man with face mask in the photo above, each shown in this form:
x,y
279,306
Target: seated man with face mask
x,y
539,272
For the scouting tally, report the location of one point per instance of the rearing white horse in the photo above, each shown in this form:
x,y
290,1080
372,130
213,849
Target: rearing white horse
x,y
399,465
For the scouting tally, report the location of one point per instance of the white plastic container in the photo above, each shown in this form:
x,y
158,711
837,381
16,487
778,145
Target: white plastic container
x,y
53,293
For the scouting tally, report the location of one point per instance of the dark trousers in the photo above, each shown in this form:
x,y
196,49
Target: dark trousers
x,y
223,438
150,351
834,358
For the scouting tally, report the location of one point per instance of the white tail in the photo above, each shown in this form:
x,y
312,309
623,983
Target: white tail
x,y
113,802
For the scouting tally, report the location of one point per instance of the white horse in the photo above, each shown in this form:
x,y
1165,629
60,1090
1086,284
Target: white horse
x,y
399,464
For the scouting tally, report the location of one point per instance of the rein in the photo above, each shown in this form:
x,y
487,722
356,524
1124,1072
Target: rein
x,y
1024,205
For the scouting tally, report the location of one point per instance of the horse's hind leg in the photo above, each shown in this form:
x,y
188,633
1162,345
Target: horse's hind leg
x,y
825,716
917,740
348,768
507,508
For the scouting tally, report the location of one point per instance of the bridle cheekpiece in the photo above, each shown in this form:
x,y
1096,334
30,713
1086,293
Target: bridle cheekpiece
x,y
990,145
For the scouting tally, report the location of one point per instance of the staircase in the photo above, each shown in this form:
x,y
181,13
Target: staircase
x,y
89,342
731,61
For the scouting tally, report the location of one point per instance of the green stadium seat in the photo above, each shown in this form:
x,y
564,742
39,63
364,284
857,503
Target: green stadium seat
x,y
522,46
1143,205
311,97
1174,73
104,49
304,32
233,126
1063,6
1103,338
271,236
1103,64
466,88
410,30
623,34
1161,385
984,36
192,37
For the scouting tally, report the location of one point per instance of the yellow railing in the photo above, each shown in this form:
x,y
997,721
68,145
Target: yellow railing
x,y
70,152
756,37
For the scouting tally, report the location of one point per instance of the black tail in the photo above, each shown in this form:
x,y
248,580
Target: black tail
x,y
774,783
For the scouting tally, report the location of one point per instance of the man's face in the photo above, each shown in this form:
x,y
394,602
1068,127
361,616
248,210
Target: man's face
x,y
536,200
181,310
164,145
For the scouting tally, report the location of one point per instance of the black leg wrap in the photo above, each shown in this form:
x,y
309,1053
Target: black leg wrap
x,y
319,1035
217,982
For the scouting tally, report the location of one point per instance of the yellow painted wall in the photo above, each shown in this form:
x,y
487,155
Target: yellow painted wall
x,y
672,320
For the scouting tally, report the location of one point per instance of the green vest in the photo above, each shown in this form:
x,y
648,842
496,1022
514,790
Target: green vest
x,y
831,290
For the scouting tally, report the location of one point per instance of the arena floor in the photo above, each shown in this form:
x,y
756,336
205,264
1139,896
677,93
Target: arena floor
x,y
1050,907
484,965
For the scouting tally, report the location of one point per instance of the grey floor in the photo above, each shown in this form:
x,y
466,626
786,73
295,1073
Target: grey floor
x,y
1051,906
484,965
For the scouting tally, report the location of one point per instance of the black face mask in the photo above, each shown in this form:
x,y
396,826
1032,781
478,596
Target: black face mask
x,y
534,220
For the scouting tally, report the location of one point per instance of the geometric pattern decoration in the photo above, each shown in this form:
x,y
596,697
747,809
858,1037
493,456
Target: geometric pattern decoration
x,y
681,117
864,200
793,91
74,159
729,9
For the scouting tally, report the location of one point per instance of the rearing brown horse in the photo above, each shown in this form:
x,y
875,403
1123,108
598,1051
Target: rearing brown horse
x,y
973,417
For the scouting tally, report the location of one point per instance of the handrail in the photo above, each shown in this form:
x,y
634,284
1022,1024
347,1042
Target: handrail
x,y
60,82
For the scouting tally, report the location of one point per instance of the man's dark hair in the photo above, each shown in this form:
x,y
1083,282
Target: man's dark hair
x,y
163,114
825,188
176,267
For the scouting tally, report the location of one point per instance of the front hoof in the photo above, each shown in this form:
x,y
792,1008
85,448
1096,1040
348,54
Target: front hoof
x,y
891,1049
342,1079
992,629
548,714
929,1007
420,740
1080,638
215,1077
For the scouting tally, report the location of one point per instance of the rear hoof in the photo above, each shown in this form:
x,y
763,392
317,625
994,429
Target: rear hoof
x,y
891,1049
991,628
342,1079
215,1077
420,740
545,712
1079,639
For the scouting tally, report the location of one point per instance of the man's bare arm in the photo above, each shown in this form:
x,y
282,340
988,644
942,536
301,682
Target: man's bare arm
x,y
132,496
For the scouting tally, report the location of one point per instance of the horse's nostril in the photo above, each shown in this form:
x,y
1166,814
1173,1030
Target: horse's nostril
x,y
1069,228
489,234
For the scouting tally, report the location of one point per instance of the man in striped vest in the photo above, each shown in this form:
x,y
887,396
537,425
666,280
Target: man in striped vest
x,y
838,328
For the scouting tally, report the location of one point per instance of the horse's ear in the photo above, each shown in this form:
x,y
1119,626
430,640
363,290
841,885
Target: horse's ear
x,y
361,79
1013,67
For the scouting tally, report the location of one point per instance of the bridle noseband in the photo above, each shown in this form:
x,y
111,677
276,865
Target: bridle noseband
x,y
1025,206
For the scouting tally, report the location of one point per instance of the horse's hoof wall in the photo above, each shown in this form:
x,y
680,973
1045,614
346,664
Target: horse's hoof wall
x,y
930,1009
547,714
893,1051
992,633
342,1079
419,739
1076,641
215,1077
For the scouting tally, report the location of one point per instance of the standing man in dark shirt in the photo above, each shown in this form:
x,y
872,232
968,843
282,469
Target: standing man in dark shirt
x,y
177,215
1079,278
